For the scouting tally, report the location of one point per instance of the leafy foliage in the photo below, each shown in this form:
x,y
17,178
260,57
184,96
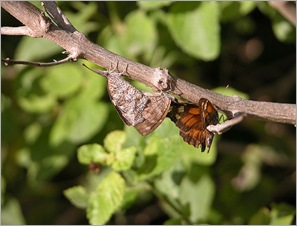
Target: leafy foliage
x,y
58,121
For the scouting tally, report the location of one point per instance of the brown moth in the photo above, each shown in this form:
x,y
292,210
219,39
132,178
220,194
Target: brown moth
x,y
143,110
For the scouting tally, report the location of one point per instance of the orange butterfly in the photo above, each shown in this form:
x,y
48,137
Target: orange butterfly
x,y
192,121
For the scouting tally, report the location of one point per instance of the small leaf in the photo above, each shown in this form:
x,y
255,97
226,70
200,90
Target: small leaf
x,y
114,141
78,196
92,153
106,199
124,159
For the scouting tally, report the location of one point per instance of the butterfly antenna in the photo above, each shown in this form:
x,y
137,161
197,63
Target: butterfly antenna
x,y
102,73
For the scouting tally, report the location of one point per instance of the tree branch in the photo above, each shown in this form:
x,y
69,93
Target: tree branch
x,y
76,44
287,9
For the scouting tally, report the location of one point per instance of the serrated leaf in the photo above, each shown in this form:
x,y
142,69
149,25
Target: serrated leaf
x,y
114,141
106,199
195,28
124,159
91,153
78,196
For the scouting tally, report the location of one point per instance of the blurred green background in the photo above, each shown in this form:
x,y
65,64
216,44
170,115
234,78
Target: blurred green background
x,y
57,122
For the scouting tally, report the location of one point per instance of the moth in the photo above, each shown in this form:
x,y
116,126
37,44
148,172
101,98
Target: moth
x,y
192,121
143,110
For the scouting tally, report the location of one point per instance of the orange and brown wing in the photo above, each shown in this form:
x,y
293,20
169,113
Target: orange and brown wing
x,y
188,119
192,121
209,114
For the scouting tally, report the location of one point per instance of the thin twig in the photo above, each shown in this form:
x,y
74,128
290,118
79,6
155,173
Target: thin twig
x,y
8,61
222,128
22,30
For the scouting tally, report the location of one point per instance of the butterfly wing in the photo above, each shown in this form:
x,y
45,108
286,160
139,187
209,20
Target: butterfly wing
x,y
192,121
188,119
128,101
209,114
154,113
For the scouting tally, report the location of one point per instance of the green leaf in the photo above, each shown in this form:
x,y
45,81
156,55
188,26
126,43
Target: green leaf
x,y
79,121
230,91
262,217
94,86
81,17
114,141
197,193
62,80
11,213
119,159
123,159
92,153
106,199
282,28
32,49
153,5
44,169
282,214
169,182
195,28
140,35
78,196
37,103
231,11
161,151
30,95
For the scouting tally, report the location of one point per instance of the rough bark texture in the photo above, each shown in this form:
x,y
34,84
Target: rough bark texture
x,y
78,46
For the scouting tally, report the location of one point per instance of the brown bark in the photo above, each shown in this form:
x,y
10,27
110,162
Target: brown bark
x,y
78,46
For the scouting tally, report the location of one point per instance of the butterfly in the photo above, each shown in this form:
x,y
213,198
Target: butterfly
x,y
192,121
143,110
